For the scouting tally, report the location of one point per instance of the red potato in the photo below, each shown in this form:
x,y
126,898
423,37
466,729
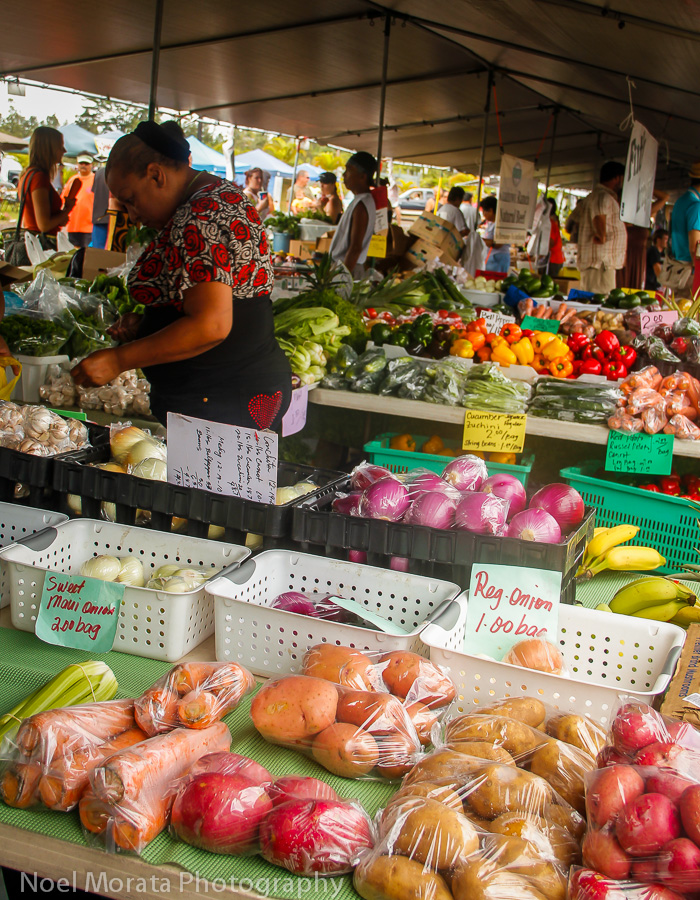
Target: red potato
x,y
601,851
232,764
423,720
408,675
689,806
668,755
669,783
220,813
646,824
379,714
679,866
608,790
299,787
308,836
293,708
398,753
345,750
635,726
685,735
341,665
586,884
644,870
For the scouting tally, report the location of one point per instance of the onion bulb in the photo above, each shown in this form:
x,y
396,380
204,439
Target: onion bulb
x,y
562,502
384,499
294,602
123,440
481,513
536,653
507,487
75,504
166,571
151,468
285,495
111,467
193,574
365,474
131,572
357,556
106,568
215,533
535,525
431,508
466,473
149,448
346,504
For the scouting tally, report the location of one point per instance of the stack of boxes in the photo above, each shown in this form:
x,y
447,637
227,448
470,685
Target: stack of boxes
x,y
436,239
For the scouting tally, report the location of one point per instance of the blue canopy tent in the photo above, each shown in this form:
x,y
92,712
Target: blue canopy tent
x,y
262,160
314,171
77,140
205,159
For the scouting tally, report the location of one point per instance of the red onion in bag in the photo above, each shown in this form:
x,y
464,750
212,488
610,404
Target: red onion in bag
x,y
466,473
357,556
432,509
346,504
507,487
535,525
481,513
562,502
426,481
385,499
365,474
293,601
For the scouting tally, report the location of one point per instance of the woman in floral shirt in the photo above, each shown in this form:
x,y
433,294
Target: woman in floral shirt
x,y
206,340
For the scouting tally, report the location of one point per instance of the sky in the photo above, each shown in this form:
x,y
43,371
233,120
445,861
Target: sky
x,y
42,103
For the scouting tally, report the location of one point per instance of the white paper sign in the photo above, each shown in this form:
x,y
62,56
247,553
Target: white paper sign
x,y
295,418
640,172
495,320
517,197
223,459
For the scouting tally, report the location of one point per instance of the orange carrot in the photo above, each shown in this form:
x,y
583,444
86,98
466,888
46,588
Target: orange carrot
x,y
134,832
94,814
61,787
192,675
156,710
199,709
54,729
20,783
139,774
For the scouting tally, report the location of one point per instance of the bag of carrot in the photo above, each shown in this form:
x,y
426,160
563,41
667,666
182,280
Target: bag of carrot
x,y
192,695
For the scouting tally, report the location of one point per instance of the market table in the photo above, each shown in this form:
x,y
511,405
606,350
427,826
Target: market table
x,y
169,869
436,412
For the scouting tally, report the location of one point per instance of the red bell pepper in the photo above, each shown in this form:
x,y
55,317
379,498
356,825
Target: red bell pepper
x,y
626,355
578,341
607,341
650,487
613,371
692,483
669,486
591,367
600,354
526,332
371,312
578,366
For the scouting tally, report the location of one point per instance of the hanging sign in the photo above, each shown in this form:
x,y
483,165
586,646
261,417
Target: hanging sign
x,y
377,243
223,459
494,432
79,612
645,454
517,197
640,172
508,604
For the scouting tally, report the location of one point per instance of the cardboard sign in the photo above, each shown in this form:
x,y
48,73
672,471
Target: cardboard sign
x,y
79,612
650,319
494,432
517,198
645,454
531,323
295,417
223,459
508,604
640,173
495,320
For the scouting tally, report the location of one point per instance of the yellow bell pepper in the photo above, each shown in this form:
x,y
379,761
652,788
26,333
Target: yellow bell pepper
x,y
554,349
462,348
502,353
540,339
403,442
524,351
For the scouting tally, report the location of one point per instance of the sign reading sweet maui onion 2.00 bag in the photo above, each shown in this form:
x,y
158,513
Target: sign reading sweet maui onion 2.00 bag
x,y
508,604
79,612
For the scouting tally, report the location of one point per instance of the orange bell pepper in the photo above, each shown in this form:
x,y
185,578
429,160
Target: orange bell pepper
x,y
476,339
540,364
433,445
492,338
479,325
507,458
561,367
403,442
511,332
484,354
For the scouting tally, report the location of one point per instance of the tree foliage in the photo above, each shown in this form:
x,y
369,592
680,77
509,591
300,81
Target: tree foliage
x,y
102,114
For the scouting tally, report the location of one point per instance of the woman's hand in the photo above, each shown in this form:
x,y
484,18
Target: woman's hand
x,y
97,369
125,328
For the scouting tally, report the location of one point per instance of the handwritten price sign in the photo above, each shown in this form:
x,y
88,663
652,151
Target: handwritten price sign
x,y
508,604
532,323
79,612
649,320
494,432
295,417
495,321
645,454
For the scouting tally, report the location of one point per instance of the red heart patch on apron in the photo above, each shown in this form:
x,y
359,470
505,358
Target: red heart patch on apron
x,y
263,408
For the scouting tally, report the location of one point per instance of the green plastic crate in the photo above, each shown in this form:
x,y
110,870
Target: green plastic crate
x,y
667,523
381,454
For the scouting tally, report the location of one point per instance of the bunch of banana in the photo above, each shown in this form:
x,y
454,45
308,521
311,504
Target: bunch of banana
x,y
604,552
657,598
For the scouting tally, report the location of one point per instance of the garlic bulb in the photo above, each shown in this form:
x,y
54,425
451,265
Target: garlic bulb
x,y
131,572
106,568
35,448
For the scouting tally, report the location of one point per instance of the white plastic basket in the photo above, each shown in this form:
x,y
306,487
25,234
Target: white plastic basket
x,y
155,624
273,642
605,653
17,522
34,372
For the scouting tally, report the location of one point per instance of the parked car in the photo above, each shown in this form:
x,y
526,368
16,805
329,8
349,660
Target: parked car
x,y
415,198
8,191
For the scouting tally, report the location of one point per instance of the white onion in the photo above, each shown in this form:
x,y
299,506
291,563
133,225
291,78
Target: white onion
x,y
123,440
215,533
152,469
131,572
146,449
75,504
165,571
106,568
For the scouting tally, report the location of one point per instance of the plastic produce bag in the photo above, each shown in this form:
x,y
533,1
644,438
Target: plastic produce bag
x,y
192,695
622,421
682,428
130,794
230,804
587,884
654,418
351,733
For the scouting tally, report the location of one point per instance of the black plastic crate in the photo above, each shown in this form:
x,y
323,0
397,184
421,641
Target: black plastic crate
x,y
37,472
447,554
201,509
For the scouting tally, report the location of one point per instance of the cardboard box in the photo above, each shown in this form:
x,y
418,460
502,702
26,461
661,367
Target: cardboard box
x,y
682,700
423,252
323,244
302,249
97,262
567,284
440,233
13,274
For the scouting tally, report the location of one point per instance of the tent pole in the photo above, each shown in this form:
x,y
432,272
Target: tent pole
x,y
551,150
382,96
155,59
487,109
294,178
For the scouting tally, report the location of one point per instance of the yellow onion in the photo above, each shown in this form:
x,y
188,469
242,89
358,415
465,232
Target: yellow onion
x,y
106,568
123,440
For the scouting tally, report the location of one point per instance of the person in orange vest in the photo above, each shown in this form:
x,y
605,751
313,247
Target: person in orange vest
x,y
79,225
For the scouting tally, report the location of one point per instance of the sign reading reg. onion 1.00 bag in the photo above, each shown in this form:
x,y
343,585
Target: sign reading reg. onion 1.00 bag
x,y
508,604
79,612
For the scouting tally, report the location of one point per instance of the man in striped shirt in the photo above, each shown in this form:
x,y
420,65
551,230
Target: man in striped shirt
x,y
602,236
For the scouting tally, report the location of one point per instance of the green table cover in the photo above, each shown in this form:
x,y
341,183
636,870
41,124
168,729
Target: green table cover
x,y
26,663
